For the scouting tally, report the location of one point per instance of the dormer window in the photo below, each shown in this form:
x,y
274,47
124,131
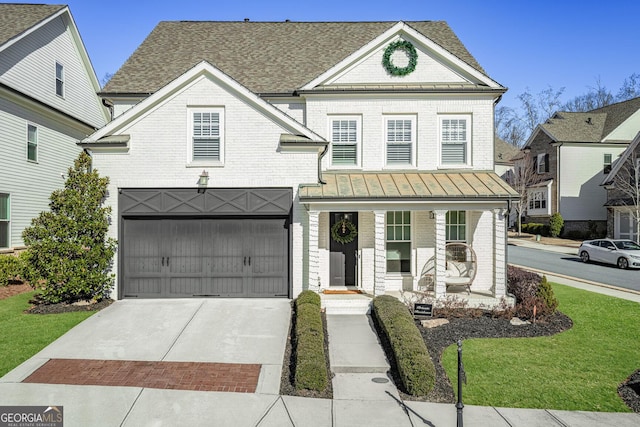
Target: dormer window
x,y
59,80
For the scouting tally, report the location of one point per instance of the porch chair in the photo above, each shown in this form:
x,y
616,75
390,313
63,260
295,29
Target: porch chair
x,y
461,267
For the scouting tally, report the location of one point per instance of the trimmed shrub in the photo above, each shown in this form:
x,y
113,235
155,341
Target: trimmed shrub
x,y
412,360
546,297
555,224
521,283
310,361
308,297
535,228
11,268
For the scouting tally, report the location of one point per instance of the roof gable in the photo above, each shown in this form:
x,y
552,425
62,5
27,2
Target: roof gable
x,y
201,70
265,57
620,161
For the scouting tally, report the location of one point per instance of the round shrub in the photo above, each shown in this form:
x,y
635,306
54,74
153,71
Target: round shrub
x,y
308,297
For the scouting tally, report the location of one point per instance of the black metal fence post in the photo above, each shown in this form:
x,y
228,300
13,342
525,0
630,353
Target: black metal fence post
x,y
461,375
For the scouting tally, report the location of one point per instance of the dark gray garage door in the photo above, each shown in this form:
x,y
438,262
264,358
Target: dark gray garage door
x,y
205,257
226,242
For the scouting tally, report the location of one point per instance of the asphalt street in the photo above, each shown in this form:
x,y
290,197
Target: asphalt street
x,y
571,265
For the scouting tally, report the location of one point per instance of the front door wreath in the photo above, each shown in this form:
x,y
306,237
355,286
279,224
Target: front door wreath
x,y
344,231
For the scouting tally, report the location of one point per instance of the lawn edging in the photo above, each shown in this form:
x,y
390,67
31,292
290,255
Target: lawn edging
x,y
414,365
310,360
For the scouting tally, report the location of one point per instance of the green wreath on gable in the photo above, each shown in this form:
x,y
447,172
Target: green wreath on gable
x,y
408,48
344,231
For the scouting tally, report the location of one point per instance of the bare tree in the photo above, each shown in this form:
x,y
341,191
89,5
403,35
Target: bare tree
x,y
630,88
597,97
626,183
520,179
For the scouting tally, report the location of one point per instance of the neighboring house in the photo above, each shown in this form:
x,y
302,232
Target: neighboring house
x,y
623,194
505,156
571,154
48,102
259,159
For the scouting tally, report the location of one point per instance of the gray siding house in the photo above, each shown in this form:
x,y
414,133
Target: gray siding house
x,y
48,102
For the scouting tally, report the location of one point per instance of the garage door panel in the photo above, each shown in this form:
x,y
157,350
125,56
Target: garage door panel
x,y
206,257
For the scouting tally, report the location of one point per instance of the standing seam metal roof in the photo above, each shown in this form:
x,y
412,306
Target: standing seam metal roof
x,y
265,57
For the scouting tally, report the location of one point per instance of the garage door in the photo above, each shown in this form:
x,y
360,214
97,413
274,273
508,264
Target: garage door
x,y
223,242
205,257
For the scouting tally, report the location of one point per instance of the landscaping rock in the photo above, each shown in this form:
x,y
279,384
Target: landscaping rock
x,y
519,322
433,323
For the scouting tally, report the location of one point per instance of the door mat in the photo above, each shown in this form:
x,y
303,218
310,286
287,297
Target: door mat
x,y
341,291
233,377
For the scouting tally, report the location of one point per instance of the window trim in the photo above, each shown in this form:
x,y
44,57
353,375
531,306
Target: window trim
x,y
33,143
385,134
546,191
346,117
7,220
409,241
60,79
457,224
191,162
468,117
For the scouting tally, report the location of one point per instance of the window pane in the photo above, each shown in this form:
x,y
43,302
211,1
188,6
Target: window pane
x,y
4,234
399,257
399,153
454,153
206,149
32,143
390,233
4,206
59,80
344,154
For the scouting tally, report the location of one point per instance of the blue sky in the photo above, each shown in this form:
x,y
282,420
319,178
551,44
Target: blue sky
x,y
534,44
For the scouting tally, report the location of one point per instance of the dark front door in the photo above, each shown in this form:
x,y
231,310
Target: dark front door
x,y
206,257
343,254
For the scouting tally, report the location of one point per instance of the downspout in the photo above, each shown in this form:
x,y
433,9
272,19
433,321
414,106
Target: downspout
x,y
324,152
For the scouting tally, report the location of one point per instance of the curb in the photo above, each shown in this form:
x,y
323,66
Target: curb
x,y
576,279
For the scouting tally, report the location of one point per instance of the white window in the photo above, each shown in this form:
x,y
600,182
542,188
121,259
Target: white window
x,y
59,79
456,226
400,137
606,167
32,143
455,138
345,140
207,136
5,221
537,200
398,242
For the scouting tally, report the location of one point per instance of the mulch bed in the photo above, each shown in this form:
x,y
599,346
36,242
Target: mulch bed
x,y
14,289
629,391
17,288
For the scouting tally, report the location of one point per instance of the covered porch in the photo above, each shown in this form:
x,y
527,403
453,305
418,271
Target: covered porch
x,y
377,232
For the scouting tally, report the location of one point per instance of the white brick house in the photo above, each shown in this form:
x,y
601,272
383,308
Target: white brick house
x,y
327,168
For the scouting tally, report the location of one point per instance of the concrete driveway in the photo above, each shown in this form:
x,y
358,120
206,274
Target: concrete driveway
x,y
251,331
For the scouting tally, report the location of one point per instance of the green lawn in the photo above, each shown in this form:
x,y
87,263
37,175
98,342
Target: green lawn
x,y
23,335
579,369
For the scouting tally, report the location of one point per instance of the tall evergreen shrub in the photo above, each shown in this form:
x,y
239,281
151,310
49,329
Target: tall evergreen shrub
x,y
70,255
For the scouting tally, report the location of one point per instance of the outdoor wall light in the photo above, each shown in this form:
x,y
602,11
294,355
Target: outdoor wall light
x,y
203,181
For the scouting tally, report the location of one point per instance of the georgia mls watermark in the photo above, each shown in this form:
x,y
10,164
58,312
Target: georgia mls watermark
x,y
31,416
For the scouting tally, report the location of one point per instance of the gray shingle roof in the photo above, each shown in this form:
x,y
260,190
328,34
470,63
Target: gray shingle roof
x,y
17,18
591,126
265,57
504,152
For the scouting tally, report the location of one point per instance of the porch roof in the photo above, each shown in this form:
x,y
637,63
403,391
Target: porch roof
x,y
396,186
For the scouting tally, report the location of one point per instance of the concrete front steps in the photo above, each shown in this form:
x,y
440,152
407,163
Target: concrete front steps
x,y
346,303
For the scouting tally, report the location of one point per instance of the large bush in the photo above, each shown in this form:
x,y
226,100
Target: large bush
x,y
310,360
70,256
11,268
412,360
555,224
535,228
532,293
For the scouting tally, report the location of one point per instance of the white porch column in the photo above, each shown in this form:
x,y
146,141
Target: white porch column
x,y
314,253
379,253
440,289
500,253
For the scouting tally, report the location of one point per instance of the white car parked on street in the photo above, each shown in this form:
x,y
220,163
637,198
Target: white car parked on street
x,y
623,253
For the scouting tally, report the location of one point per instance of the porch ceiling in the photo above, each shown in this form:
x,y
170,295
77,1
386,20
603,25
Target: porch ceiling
x,y
436,186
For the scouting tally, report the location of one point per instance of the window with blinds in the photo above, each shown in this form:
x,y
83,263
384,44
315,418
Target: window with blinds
x,y
454,137
400,137
207,135
344,141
